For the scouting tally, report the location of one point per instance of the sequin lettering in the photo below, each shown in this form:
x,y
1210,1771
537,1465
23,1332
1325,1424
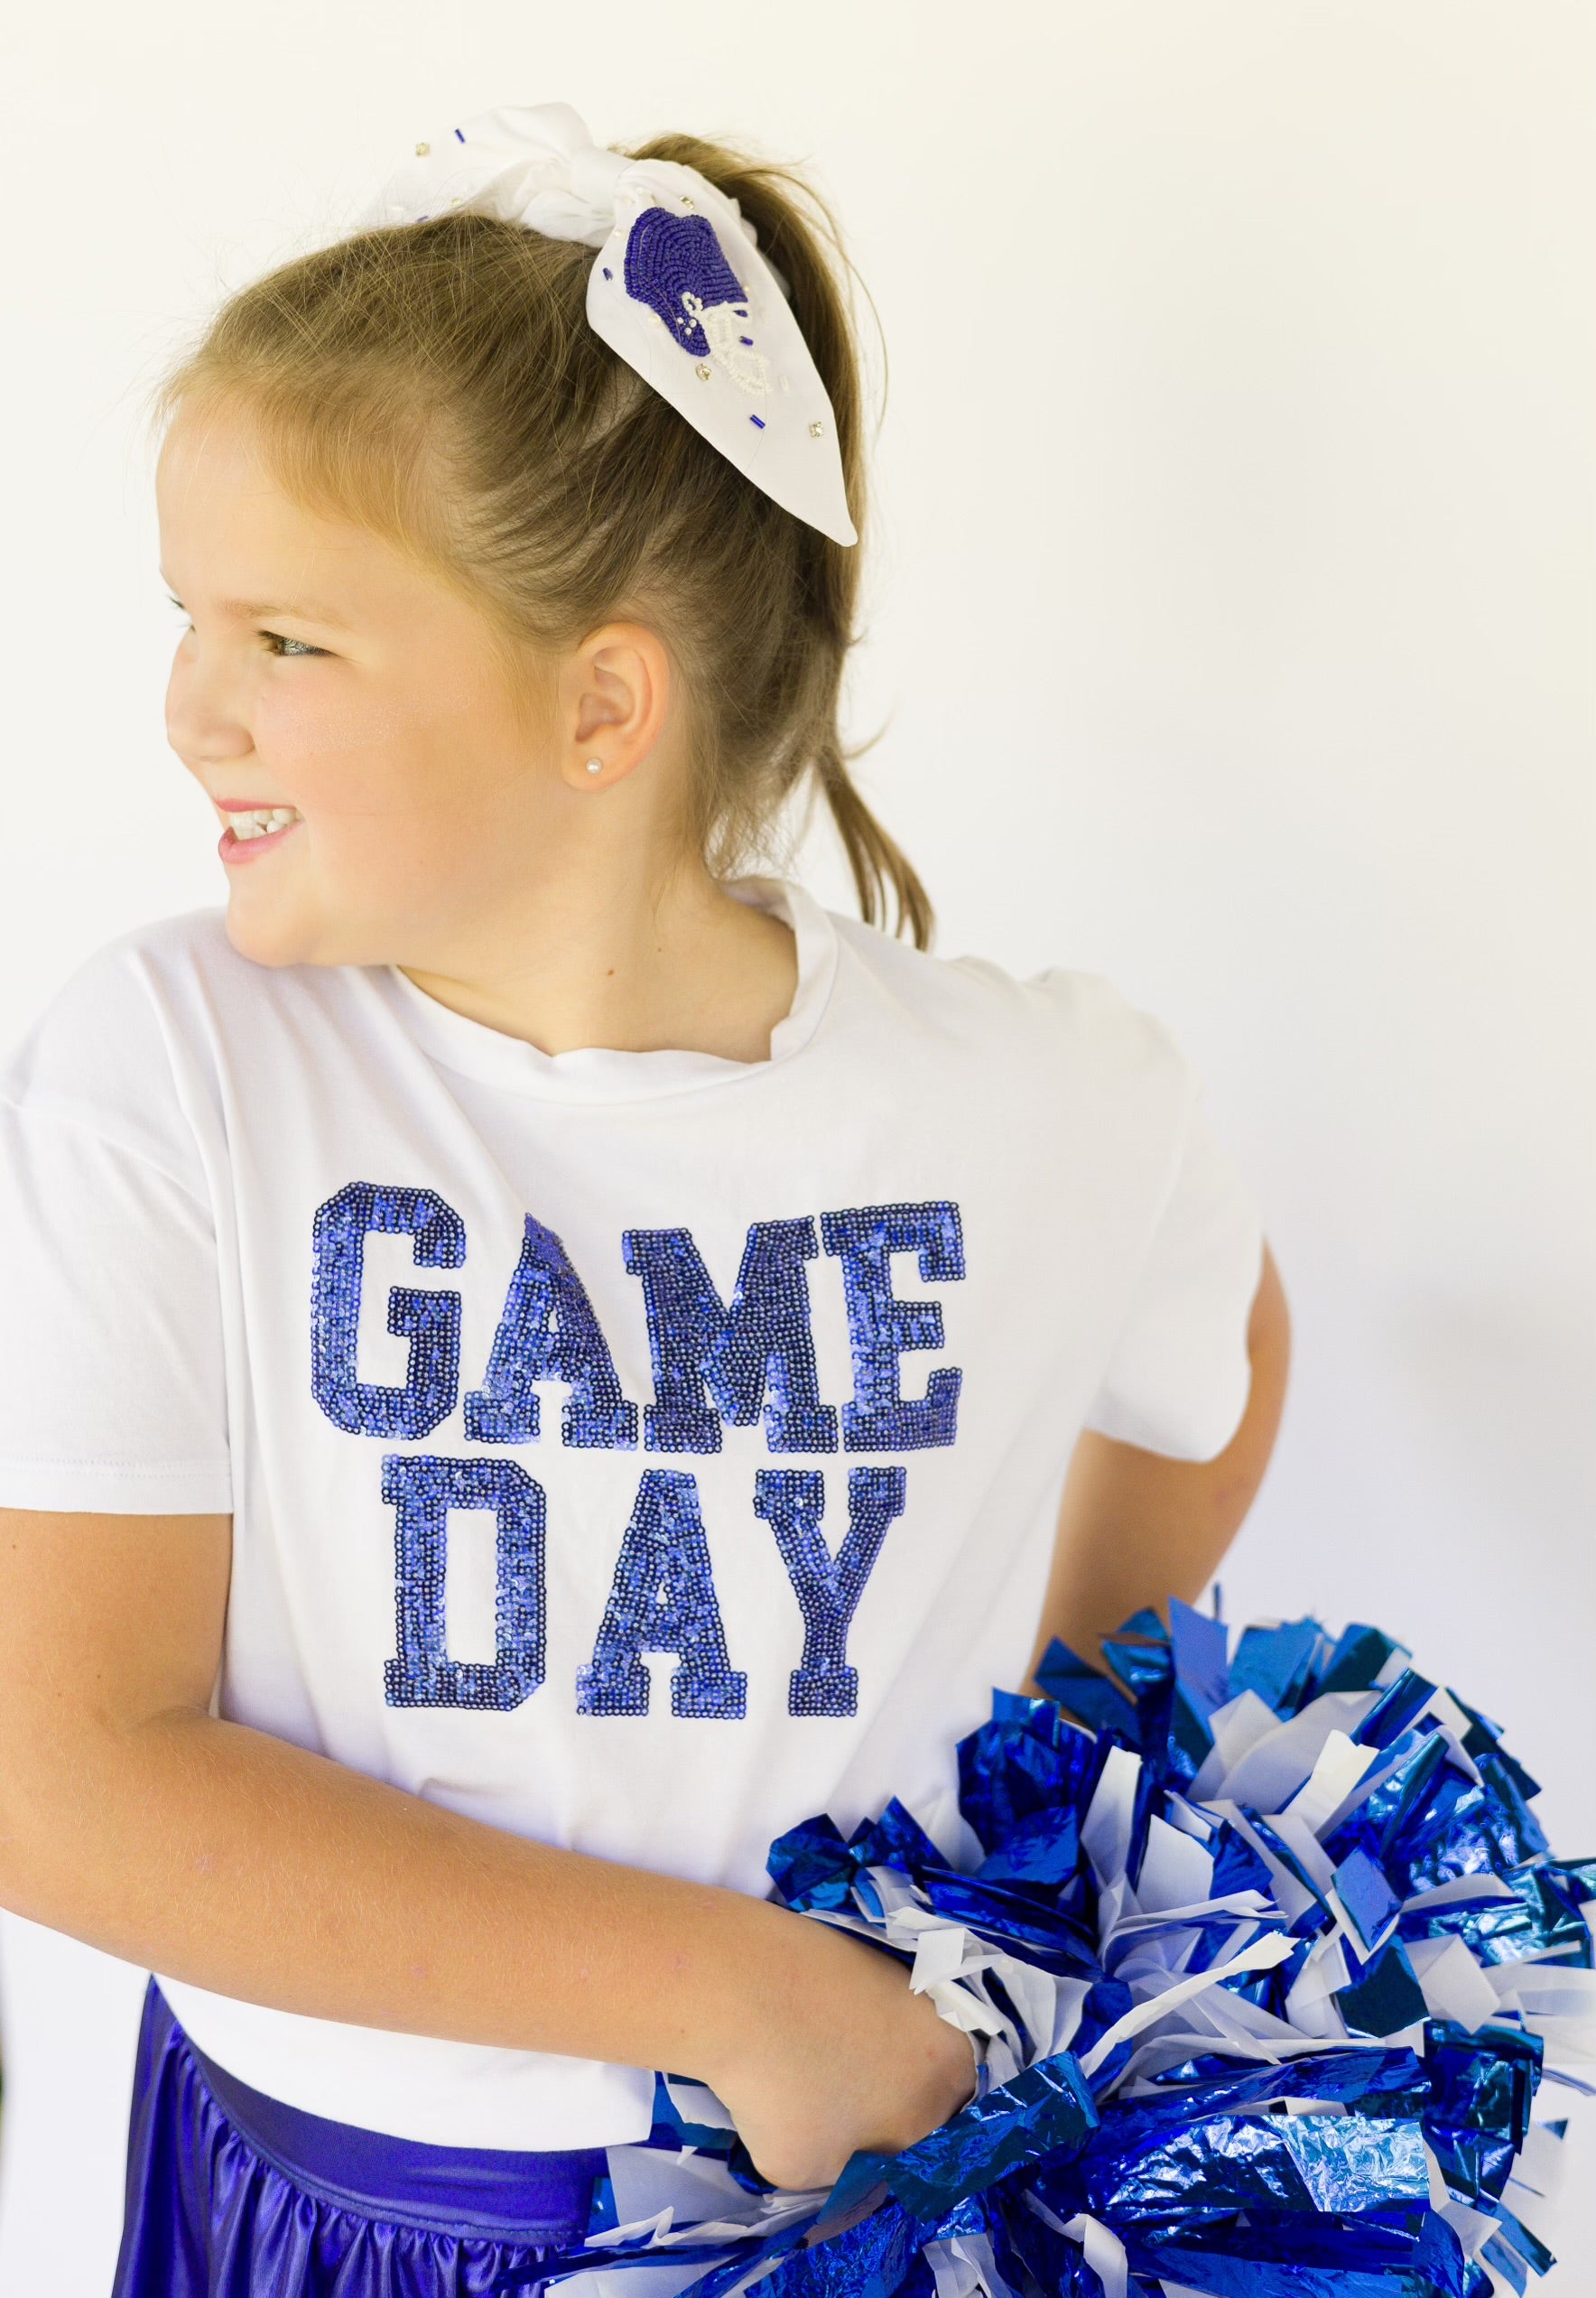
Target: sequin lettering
x,y
879,1418
548,1332
429,1320
792,1502
663,1599
761,1343
422,1489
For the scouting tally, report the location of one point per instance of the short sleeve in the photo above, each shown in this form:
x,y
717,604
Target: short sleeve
x,y
1180,1374
113,1392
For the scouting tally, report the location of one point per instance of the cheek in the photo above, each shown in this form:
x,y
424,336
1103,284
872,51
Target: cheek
x,y
349,756
319,743
402,791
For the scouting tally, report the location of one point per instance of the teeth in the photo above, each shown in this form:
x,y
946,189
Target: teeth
x,y
261,821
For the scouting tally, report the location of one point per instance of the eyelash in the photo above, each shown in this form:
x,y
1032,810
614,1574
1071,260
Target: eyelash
x,y
275,638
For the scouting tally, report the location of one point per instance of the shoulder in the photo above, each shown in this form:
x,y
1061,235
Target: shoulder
x,y
1060,1028
136,986
118,1045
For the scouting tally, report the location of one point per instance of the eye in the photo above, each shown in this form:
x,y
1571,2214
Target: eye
x,y
281,649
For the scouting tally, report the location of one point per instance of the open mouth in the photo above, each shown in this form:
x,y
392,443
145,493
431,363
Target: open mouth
x,y
250,830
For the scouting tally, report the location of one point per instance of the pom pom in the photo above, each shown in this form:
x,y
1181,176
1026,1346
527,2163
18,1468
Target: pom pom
x,y
1267,1964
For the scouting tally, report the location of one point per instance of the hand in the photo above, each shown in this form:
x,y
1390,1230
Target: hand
x,y
846,2057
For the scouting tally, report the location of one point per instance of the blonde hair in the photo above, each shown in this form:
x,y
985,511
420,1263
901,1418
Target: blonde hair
x,y
438,382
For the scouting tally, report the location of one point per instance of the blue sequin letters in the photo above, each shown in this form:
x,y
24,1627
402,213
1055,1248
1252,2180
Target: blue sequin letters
x,y
663,1599
880,1327
827,1587
763,1341
428,1320
549,1332
422,1489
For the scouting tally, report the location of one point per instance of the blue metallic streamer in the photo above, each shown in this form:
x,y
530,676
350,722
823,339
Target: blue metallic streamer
x,y
1309,2177
1048,2110
1277,1662
1385,1997
1029,1764
1326,2163
1534,1919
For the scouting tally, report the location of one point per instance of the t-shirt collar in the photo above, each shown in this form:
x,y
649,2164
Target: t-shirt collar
x,y
604,1072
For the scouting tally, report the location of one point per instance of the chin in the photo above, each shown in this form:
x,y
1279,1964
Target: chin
x,y
270,934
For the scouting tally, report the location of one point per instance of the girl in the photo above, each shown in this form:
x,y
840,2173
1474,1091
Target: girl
x,y
537,1356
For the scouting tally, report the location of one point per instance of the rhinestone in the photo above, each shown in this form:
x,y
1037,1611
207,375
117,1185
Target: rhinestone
x,y
705,372
816,430
421,150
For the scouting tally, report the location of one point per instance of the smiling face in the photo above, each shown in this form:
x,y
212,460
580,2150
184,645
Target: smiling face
x,y
326,674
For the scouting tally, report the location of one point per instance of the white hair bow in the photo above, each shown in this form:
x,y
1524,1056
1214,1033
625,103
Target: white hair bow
x,y
678,288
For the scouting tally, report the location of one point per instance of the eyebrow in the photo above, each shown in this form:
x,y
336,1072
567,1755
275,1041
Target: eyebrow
x,y
304,610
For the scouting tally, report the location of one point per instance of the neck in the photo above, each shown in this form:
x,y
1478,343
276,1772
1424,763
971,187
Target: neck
x,y
634,959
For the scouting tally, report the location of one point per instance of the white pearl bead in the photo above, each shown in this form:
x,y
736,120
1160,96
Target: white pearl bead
x,y
594,766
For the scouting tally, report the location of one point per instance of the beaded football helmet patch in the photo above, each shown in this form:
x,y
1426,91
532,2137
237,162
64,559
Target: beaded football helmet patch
x,y
675,264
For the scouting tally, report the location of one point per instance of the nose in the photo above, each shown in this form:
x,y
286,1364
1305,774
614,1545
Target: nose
x,y
205,724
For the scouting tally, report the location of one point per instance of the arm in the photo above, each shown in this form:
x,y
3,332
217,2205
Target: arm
x,y
1135,1528
135,1819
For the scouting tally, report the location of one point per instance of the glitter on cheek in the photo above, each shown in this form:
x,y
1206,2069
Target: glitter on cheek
x,y
882,1327
663,1599
428,1320
549,1332
792,1503
762,1346
423,1488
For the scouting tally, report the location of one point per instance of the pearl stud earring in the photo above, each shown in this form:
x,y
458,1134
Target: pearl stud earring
x,y
594,766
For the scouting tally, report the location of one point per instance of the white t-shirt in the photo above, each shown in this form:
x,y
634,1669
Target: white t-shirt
x,y
638,1451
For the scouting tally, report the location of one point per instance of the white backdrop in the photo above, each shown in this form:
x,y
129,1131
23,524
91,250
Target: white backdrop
x,y
1231,629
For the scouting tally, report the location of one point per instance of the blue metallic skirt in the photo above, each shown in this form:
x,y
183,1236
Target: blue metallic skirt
x,y
231,2194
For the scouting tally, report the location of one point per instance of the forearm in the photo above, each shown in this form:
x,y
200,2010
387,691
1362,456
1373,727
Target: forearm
x,y
1135,1528
224,1856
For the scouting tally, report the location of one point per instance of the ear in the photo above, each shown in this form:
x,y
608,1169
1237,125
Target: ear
x,y
615,693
